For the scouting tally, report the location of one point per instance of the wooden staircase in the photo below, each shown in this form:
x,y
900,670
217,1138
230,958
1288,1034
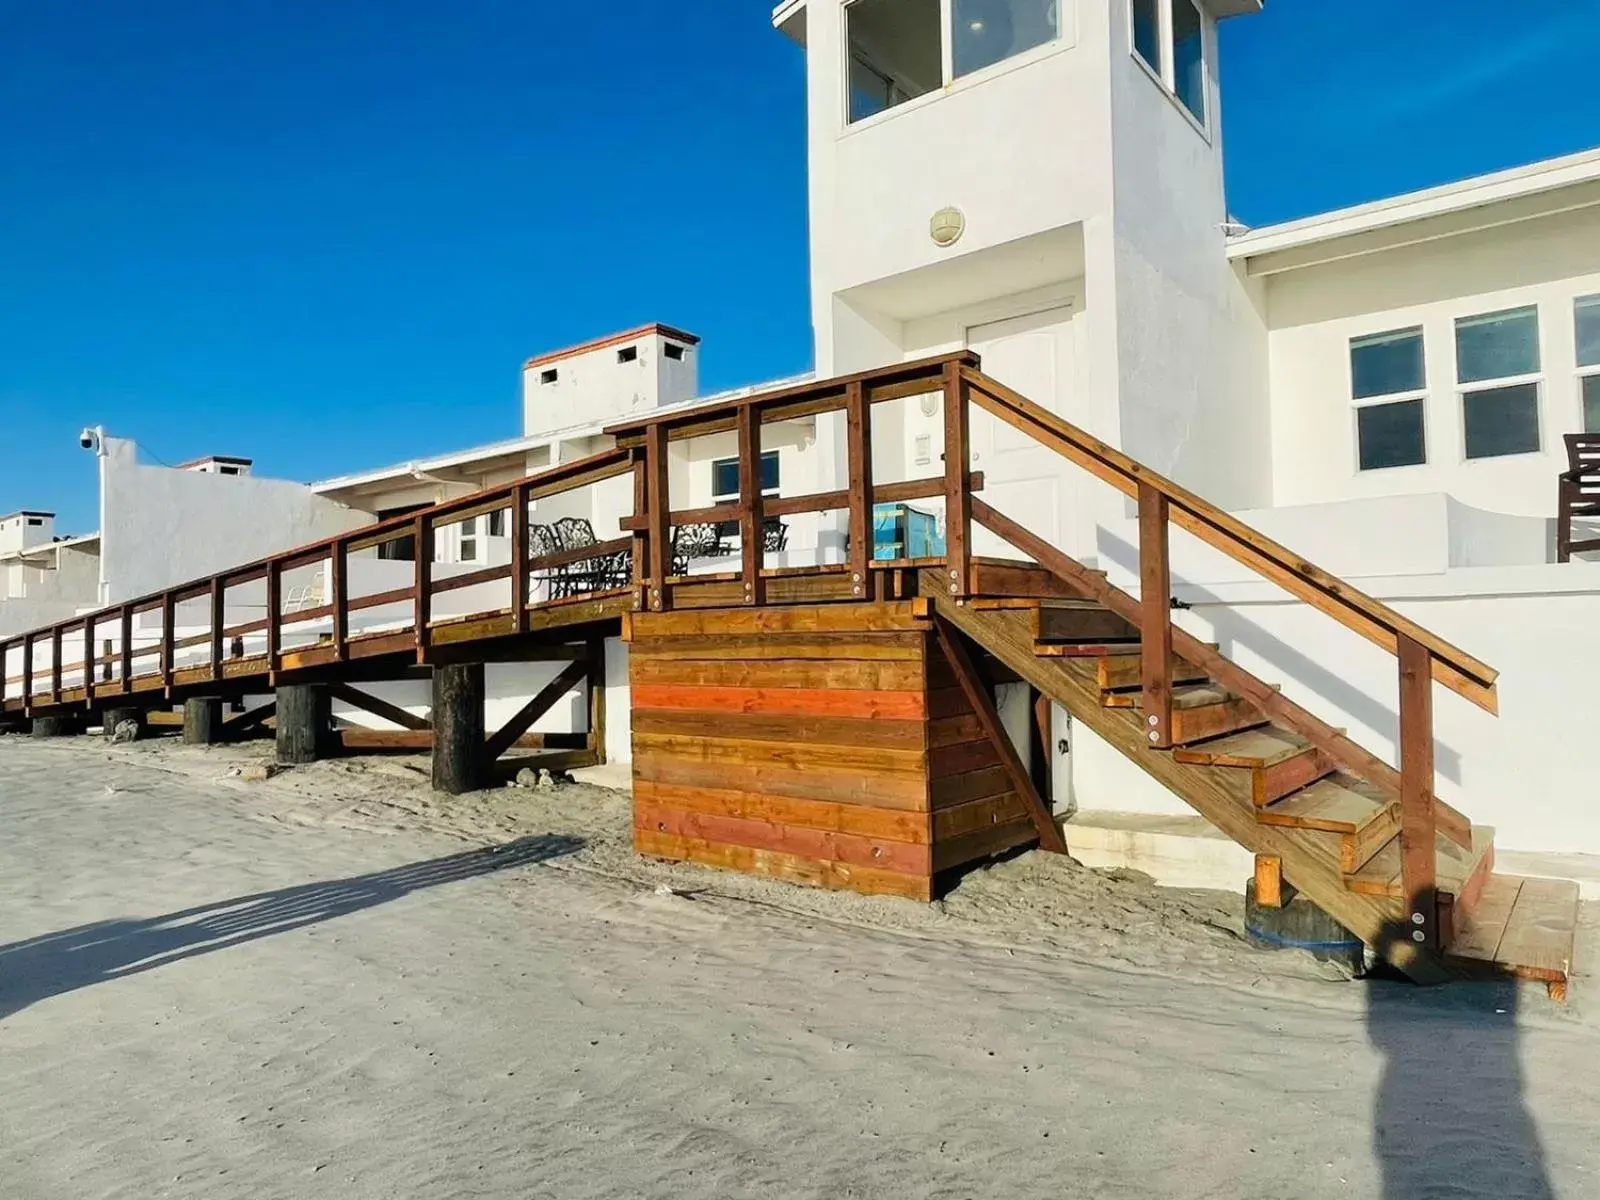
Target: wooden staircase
x,y
1270,789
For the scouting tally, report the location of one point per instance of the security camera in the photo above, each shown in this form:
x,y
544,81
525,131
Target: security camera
x,y
89,439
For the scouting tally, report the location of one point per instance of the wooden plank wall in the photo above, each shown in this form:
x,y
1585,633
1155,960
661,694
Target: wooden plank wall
x,y
800,744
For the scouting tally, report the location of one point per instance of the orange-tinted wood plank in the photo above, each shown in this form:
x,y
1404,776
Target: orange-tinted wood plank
x,y
904,675
867,881
783,701
857,820
904,858
806,731
905,792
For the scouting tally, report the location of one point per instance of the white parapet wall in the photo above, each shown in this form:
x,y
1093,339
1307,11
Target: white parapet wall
x,y
161,526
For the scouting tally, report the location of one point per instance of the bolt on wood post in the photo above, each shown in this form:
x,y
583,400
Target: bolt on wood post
x,y
858,418
1418,817
752,522
1155,617
957,499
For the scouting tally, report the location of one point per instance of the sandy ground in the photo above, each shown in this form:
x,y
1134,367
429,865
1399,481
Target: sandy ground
x,y
324,985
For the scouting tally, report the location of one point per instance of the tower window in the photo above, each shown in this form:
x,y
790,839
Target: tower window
x,y
901,49
1169,37
549,377
628,354
673,351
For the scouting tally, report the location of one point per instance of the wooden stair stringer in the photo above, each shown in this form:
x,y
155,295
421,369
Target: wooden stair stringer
x,y
1220,794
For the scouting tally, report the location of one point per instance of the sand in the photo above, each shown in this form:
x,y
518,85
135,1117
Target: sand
x,y
324,985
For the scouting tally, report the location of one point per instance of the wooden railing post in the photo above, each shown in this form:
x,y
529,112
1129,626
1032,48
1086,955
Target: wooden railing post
x,y
957,499
752,521
641,534
658,502
858,415
1155,616
55,665
1418,818
521,533
219,621
126,634
88,661
169,650
27,675
274,614
422,592
339,597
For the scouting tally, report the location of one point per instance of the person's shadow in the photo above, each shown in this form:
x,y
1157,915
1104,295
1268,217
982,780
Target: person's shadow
x,y
57,963
1449,1119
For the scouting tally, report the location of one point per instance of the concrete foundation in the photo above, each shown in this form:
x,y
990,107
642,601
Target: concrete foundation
x,y
305,724
1301,925
459,762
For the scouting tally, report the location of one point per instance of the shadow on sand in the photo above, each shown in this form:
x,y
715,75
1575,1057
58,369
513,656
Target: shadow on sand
x,y
1450,1118
58,963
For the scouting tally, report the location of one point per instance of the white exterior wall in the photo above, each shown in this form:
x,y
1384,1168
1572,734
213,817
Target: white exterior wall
x,y
161,527
1315,311
21,531
1190,340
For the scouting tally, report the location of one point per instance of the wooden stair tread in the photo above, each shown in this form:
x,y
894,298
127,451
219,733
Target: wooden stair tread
x,y
1266,747
1340,804
1194,695
1083,649
1123,670
1526,926
1381,876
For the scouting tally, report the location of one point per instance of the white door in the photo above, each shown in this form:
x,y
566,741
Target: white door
x,y
1035,355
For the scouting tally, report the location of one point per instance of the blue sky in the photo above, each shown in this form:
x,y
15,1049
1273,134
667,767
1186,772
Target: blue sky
x,y
327,235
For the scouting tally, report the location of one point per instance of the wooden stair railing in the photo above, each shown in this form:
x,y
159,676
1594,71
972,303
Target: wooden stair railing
x,y
1423,658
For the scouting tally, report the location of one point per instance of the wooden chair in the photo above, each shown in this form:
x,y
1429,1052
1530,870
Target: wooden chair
x,y
1580,495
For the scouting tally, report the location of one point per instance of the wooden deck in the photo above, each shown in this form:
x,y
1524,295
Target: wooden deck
x,y
835,724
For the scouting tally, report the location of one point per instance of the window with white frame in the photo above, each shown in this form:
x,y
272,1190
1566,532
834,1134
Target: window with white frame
x,y
1169,37
1498,372
725,483
469,540
1588,318
1388,385
898,50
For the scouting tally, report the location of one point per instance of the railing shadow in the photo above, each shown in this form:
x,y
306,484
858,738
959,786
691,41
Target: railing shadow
x,y
1230,628
1449,1118
58,963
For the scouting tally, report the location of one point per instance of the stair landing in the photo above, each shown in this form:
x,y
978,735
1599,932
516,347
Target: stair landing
x,y
1522,927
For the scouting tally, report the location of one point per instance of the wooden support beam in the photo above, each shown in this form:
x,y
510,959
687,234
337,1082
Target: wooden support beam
x,y
957,499
752,556
246,722
369,703
27,675
1418,821
595,739
1155,620
858,417
1269,881
1043,720
169,639
518,725
966,672
55,665
639,526
88,662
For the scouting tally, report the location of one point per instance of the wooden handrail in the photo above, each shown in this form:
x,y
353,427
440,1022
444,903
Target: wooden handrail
x,y
1452,667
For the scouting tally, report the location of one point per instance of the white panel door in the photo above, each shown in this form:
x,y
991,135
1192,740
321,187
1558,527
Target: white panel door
x,y
1033,485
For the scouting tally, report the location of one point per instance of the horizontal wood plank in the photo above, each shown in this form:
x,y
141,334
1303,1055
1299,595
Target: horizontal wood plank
x,y
790,868
857,820
858,703
823,845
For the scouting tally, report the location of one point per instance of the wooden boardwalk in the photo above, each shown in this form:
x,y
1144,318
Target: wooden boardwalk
x,y
836,724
